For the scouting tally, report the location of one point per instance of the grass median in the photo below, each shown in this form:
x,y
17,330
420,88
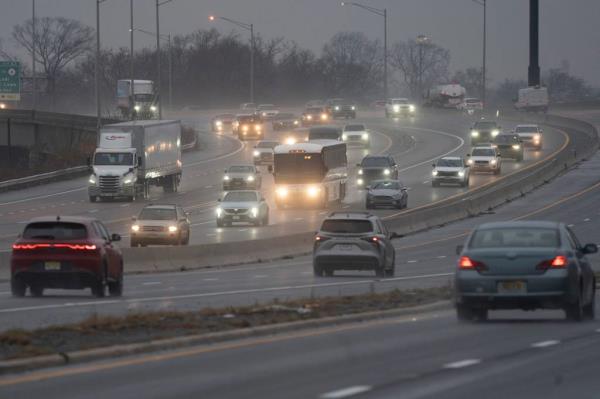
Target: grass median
x,y
103,331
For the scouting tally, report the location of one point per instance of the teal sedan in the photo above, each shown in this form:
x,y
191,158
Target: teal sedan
x,y
524,265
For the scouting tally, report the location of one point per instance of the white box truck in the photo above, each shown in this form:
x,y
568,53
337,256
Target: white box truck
x,y
132,156
533,99
139,103
445,96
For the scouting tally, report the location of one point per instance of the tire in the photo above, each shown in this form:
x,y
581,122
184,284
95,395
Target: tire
x,y
380,271
219,223
589,310
36,290
93,198
17,288
317,271
98,289
265,221
133,244
464,313
115,288
574,311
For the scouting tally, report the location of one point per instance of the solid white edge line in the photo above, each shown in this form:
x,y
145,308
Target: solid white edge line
x,y
346,392
545,344
462,363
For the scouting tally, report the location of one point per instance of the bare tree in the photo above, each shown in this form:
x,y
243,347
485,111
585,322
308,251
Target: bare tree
x,y
351,64
426,63
58,42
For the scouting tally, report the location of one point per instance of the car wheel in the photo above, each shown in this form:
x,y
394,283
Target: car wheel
x,y
17,287
265,221
36,290
329,272
380,271
317,271
219,223
98,289
93,198
133,244
589,310
464,313
115,288
574,311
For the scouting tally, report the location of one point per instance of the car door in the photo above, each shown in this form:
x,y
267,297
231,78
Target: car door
x,y
384,235
113,253
393,167
182,221
584,265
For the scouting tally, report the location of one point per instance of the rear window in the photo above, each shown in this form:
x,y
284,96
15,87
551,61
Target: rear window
x,y
526,129
355,128
483,152
485,125
375,161
55,231
515,238
158,214
347,226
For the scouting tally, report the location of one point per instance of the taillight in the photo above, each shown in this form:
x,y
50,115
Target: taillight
x,y
373,240
321,238
466,263
75,247
558,262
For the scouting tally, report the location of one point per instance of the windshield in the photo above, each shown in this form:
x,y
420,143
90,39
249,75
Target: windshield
x,y
298,168
515,237
55,231
526,129
450,163
400,101
347,226
113,158
267,144
225,116
314,110
506,139
323,135
241,169
485,125
266,107
240,196
375,161
355,128
386,185
158,214
144,98
247,119
483,152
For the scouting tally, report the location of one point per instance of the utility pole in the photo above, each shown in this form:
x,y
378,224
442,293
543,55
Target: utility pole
x,y
534,44
170,75
252,63
159,74
483,3
34,40
132,90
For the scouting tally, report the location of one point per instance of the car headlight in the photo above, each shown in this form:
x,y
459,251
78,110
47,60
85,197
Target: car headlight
x,y
360,171
258,128
313,191
92,179
474,133
282,192
324,117
309,117
386,172
254,212
461,173
226,178
360,182
396,108
219,212
337,108
137,108
365,136
153,108
172,229
128,180
353,108
135,227
245,128
495,132
470,162
250,178
344,137
264,114
411,108
493,162
290,140
536,137
434,173
218,123
516,146
256,154
296,122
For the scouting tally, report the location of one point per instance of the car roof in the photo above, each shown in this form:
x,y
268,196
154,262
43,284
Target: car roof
x,y
240,164
160,206
521,223
371,156
65,219
528,125
340,215
452,158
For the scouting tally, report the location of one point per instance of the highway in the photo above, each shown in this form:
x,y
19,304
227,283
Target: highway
x,y
415,144
424,259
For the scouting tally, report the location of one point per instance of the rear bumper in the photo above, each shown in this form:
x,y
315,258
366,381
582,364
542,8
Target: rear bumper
x,y
341,261
73,274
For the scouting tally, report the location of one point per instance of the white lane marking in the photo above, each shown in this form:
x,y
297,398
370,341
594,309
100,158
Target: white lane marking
x,y
598,330
570,225
261,276
221,293
42,196
242,230
545,344
412,261
586,219
346,206
306,273
460,139
346,392
93,210
211,186
23,222
462,363
426,182
441,257
125,205
152,283
210,279
200,223
211,234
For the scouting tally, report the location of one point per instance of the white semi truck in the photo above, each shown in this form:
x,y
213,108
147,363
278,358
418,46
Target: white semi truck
x,y
132,156
139,103
533,99
445,96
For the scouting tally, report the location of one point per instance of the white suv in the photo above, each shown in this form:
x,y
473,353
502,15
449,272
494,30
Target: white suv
x,y
530,135
399,107
451,170
485,158
356,133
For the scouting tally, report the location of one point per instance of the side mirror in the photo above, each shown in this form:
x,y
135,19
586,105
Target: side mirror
x,y
459,249
115,237
183,220
262,199
433,165
218,199
499,155
468,155
589,249
358,165
395,235
224,170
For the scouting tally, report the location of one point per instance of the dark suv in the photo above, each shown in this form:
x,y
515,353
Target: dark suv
x,y
484,131
376,167
340,108
66,253
510,146
353,241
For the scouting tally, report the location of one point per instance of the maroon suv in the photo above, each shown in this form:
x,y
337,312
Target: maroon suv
x,y
66,253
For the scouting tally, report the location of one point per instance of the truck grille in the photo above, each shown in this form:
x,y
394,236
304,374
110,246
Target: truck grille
x,y
236,211
482,162
109,184
445,173
153,228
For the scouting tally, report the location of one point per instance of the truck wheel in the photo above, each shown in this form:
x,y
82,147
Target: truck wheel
x,y
219,223
93,198
36,290
115,288
17,287
98,288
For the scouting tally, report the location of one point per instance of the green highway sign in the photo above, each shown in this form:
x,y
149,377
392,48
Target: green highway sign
x,y
10,81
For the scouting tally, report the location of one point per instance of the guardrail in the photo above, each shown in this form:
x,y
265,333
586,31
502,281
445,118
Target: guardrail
x,y
15,184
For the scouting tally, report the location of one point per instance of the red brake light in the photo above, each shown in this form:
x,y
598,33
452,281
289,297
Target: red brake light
x,y
75,247
558,262
467,263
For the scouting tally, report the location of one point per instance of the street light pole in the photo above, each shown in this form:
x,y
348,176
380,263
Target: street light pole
x,y
97,67
483,68
381,13
158,65
248,27
34,42
421,40
132,89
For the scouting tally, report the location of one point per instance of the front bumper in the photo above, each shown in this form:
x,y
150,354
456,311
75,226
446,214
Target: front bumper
x,y
238,218
484,167
154,238
384,201
450,179
244,185
123,191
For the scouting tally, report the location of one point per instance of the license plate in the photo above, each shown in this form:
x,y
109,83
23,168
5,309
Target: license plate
x,y
236,218
512,287
345,247
52,265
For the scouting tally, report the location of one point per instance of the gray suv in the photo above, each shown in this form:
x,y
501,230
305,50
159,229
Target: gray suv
x,y
353,241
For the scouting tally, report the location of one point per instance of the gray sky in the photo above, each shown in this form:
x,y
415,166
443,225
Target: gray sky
x,y
569,28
